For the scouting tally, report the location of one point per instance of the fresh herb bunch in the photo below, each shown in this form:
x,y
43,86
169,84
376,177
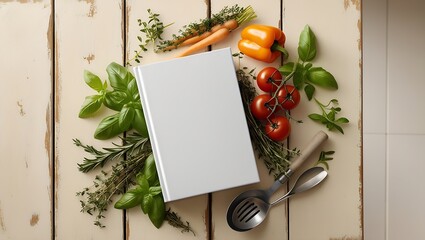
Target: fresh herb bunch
x,y
275,155
129,170
151,34
97,198
123,98
305,75
328,115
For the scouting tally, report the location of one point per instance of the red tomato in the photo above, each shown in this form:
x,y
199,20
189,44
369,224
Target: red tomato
x,y
268,79
288,97
278,128
261,106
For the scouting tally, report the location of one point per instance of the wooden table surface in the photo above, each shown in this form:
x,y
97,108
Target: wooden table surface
x,y
45,46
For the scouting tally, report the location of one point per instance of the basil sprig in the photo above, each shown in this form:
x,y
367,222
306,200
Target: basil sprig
x,y
123,98
147,194
306,76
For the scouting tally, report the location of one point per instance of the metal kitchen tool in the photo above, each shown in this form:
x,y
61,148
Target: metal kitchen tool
x,y
265,194
253,210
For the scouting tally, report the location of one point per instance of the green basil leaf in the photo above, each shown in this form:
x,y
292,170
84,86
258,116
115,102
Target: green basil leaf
x,y
91,105
307,45
115,100
155,190
286,68
147,203
321,77
157,213
309,91
108,127
93,81
126,117
139,123
133,90
149,170
119,76
143,183
131,198
299,77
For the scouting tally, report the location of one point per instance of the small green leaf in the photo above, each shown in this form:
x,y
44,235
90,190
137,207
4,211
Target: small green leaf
x,y
342,120
321,77
93,81
139,123
126,117
309,91
157,213
147,203
131,198
331,115
133,90
119,77
317,117
143,183
149,171
115,100
108,128
286,68
91,105
155,190
307,45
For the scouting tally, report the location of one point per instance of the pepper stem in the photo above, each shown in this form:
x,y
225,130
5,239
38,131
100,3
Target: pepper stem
x,y
277,47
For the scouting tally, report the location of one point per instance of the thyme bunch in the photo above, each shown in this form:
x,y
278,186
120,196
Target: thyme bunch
x,y
275,155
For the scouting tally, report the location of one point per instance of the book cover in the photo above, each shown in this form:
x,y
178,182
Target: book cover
x,y
196,123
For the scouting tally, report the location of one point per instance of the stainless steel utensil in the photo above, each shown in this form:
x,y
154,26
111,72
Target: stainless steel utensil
x,y
265,194
253,210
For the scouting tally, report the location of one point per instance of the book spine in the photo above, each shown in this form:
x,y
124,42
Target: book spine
x,y
152,134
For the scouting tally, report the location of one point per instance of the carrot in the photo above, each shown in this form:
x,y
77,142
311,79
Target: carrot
x,y
231,24
215,37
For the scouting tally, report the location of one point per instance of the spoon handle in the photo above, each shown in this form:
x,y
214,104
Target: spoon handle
x,y
318,139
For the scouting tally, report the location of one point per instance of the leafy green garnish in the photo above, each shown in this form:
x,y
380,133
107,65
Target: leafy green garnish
x,y
123,98
306,77
328,115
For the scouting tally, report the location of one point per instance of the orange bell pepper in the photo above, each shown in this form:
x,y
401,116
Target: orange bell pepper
x,y
262,42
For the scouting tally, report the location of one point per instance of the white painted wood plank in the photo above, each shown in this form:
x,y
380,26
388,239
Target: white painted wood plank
x,y
333,210
406,34
25,120
406,196
88,36
275,226
193,210
375,66
374,185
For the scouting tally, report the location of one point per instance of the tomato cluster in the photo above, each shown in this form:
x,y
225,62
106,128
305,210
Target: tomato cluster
x,y
279,97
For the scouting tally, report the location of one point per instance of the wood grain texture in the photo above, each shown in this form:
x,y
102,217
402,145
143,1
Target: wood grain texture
x,y
25,121
275,226
88,36
42,74
333,210
193,210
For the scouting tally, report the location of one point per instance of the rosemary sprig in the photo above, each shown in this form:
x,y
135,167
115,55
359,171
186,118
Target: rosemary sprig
x,y
175,221
133,144
275,155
